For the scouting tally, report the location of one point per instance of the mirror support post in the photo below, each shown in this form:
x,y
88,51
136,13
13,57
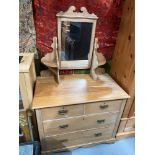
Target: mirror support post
x,y
51,60
98,59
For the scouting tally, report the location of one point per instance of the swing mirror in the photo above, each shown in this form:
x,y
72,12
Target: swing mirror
x,y
76,32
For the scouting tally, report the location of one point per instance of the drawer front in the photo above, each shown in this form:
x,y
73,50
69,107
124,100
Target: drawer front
x,y
62,126
62,112
78,123
100,107
78,138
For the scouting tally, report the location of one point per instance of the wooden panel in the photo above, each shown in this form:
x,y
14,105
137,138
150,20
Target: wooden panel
x,y
78,138
132,110
26,61
23,90
130,125
78,123
119,117
29,87
62,112
75,89
122,126
123,63
40,128
33,70
27,78
100,107
126,124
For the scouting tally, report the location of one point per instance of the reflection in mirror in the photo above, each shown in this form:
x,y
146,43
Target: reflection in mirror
x,y
75,40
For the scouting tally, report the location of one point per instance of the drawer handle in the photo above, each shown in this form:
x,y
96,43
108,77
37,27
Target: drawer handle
x,y
63,126
101,121
104,106
63,140
98,134
63,111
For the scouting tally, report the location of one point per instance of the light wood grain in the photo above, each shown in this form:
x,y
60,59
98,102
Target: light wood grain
x,y
123,135
76,138
130,125
123,123
98,59
26,61
100,107
23,90
33,71
27,78
123,62
119,117
62,112
130,102
121,126
75,89
54,127
132,110
29,86
76,64
41,130
51,60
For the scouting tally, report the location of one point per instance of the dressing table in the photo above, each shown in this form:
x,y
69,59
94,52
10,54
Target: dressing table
x,y
78,109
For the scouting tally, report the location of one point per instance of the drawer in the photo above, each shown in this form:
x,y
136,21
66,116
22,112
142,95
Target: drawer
x,y
78,138
106,106
62,112
79,123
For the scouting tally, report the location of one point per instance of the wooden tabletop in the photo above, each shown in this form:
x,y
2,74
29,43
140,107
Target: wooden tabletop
x,y
74,89
26,62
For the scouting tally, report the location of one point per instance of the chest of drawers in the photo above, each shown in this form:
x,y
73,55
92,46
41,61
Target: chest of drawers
x,y
77,112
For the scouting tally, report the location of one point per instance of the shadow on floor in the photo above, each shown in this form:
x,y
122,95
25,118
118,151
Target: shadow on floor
x,y
121,147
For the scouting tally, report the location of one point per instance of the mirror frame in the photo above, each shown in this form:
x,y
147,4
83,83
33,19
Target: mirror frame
x,y
72,16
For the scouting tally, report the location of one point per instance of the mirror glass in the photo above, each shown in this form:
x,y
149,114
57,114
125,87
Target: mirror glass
x,y
75,40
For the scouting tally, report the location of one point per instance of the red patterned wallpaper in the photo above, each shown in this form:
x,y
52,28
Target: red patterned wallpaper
x,y
108,11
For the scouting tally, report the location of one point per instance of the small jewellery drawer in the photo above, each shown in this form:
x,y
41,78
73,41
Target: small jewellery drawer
x,y
105,106
78,123
62,112
78,138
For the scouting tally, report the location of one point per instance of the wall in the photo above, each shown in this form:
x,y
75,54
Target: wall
x,y
108,11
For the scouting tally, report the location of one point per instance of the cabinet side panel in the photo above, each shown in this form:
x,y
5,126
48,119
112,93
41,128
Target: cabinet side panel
x,y
40,129
119,117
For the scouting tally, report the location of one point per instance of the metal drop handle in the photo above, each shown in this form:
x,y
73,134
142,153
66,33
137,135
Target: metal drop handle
x,y
63,111
98,134
104,106
63,126
101,121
